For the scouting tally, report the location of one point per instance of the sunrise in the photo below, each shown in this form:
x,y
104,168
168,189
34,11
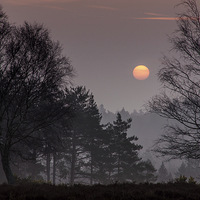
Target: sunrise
x,y
141,72
99,99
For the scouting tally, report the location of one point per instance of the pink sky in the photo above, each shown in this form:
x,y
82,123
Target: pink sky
x,y
105,40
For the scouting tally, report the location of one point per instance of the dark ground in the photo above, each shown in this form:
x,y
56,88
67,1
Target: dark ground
x,y
145,191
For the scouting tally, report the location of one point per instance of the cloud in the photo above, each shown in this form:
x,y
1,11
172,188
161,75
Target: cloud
x,y
158,18
32,2
154,14
40,3
166,18
103,7
161,17
55,7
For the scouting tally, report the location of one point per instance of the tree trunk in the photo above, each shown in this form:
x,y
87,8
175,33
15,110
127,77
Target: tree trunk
x,y
34,172
48,167
54,168
91,177
7,169
73,162
109,170
118,170
109,176
91,169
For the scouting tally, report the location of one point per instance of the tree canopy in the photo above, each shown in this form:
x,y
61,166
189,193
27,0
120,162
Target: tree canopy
x,y
32,72
180,99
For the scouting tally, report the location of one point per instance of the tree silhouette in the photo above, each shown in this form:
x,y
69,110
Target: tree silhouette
x,y
146,172
180,100
32,72
182,170
83,138
93,139
162,173
120,161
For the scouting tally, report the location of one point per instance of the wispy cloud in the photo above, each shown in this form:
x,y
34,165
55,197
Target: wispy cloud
x,y
166,18
161,17
35,4
103,7
44,3
32,2
55,7
158,18
154,14
40,3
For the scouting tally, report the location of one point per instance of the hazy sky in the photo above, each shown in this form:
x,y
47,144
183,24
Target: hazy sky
x,y
105,40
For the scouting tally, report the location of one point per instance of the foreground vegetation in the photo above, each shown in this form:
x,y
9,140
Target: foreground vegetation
x,y
177,190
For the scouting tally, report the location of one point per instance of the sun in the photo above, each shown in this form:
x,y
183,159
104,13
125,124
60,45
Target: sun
x,y
141,72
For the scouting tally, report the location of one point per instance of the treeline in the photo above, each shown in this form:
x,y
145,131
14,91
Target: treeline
x,y
48,128
82,150
189,168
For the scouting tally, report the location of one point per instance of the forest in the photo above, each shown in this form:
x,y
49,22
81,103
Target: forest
x,y
48,127
55,140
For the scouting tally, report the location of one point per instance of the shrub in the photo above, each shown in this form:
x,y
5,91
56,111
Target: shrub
x,y
29,180
181,179
191,180
21,181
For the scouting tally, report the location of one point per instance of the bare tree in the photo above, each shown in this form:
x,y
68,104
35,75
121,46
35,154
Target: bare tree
x,y
180,98
5,28
32,72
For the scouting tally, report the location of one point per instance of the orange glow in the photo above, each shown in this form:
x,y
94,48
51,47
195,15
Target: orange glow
x,y
141,72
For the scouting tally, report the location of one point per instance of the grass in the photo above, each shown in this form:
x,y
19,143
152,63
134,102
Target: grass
x,y
125,191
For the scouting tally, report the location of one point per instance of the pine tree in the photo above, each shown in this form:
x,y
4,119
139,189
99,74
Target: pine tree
x,y
193,168
162,173
181,170
92,139
84,138
147,173
77,98
170,177
121,152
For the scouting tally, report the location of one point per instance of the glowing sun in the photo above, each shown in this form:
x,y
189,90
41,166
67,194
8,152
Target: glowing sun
x,y
141,72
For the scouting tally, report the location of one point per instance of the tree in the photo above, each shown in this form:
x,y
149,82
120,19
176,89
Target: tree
x,y
189,168
5,29
146,172
92,139
162,173
33,71
180,100
106,161
85,123
182,171
120,159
